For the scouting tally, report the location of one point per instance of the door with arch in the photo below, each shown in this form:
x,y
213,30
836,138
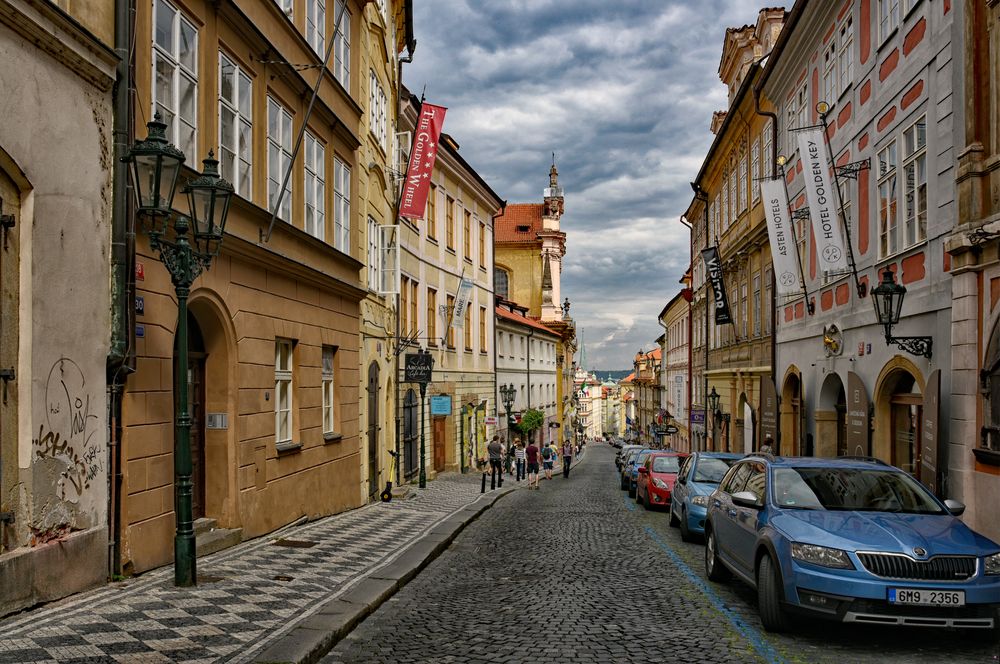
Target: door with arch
x,y
410,433
196,410
373,429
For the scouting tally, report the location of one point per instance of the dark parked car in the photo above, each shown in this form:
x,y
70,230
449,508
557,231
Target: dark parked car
x,y
699,477
852,540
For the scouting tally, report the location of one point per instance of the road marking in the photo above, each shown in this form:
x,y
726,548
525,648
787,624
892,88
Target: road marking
x,y
752,635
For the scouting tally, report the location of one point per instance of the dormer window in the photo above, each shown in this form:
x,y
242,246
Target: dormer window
x,y
523,228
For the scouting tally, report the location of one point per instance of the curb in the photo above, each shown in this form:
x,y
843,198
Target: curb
x,y
317,635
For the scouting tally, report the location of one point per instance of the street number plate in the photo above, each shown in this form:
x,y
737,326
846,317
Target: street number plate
x,y
920,597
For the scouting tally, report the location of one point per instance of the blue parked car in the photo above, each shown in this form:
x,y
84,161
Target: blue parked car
x,y
637,460
852,540
699,477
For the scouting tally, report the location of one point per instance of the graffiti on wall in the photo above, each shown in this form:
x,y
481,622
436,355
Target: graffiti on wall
x,y
67,434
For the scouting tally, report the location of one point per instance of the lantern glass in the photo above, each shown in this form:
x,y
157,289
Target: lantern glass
x,y
888,299
208,203
713,400
155,165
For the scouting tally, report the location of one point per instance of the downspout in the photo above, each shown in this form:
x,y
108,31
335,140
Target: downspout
x,y
493,296
690,329
701,195
774,290
121,356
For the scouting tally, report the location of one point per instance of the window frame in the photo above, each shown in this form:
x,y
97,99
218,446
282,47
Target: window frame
x,y
242,163
912,160
483,349
342,44
284,376
888,222
328,371
283,145
374,256
314,187
179,70
341,205
316,26
431,313
755,174
449,304
449,221
890,20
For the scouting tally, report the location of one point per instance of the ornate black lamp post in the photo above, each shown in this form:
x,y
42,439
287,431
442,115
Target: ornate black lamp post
x,y
428,361
888,301
154,166
507,393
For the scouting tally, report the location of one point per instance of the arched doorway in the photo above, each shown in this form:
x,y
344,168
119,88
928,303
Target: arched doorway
x,y
410,433
373,429
831,418
747,427
899,406
790,413
197,357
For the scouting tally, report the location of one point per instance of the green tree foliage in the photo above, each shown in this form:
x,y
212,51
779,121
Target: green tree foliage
x,y
531,421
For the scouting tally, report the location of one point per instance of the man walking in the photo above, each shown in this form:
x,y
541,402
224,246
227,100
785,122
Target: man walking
x,y
531,453
519,458
495,450
567,455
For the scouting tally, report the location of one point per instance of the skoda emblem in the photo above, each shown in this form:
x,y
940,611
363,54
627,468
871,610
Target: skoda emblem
x,y
920,552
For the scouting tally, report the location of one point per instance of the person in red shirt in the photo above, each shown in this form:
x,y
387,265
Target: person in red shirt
x,y
532,452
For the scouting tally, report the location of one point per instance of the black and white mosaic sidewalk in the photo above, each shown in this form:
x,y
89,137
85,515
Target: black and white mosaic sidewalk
x,y
248,596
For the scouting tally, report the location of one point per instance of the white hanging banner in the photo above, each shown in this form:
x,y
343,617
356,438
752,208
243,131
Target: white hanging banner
x,y
784,252
830,250
461,303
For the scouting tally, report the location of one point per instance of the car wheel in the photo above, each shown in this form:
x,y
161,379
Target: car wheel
x,y
638,497
686,534
714,569
632,490
769,595
674,521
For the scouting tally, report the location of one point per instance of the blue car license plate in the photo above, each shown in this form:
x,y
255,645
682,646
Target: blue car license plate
x,y
924,597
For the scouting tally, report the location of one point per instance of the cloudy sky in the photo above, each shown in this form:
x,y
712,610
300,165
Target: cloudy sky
x,y
623,93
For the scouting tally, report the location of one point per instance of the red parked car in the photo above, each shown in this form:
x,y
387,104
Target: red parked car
x,y
657,477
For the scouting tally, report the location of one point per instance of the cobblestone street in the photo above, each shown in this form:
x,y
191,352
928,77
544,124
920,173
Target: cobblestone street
x,y
576,572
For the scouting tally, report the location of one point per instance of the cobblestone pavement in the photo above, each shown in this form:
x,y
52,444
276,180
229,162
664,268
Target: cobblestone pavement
x,y
248,596
576,572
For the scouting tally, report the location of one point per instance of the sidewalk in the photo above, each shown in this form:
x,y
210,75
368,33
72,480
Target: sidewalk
x,y
286,596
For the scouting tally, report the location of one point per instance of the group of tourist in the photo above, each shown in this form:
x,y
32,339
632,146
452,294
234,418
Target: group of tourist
x,y
526,461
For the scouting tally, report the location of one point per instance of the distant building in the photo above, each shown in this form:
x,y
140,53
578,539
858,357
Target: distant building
x,y
676,321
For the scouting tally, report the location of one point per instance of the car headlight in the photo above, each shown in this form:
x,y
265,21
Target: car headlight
x,y
659,484
824,556
993,564
701,501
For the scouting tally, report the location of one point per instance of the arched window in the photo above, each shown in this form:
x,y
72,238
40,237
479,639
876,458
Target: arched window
x,y
501,284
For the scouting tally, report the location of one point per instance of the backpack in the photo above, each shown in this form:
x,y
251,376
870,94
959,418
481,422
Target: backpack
x,y
546,453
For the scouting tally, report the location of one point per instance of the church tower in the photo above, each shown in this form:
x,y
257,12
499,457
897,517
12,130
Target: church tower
x,y
553,247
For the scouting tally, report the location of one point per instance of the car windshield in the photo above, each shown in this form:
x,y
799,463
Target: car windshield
x,y
711,470
665,464
851,489
640,459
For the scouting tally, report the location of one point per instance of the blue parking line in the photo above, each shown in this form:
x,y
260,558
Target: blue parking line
x,y
748,632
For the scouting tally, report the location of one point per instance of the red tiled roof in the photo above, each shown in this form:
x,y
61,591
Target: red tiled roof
x,y
505,228
523,320
629,378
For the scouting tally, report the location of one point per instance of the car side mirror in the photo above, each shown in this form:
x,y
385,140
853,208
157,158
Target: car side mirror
x,y
747,499
643,470
956,507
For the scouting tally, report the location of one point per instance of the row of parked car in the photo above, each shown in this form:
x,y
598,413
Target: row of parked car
x,y
851,539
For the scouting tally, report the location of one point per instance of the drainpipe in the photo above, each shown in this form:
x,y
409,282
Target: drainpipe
x,y
774,291
121,357
690,329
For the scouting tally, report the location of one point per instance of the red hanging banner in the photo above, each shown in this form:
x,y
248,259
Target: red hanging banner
x,y
422,156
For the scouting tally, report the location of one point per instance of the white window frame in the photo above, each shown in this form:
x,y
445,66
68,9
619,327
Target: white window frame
x,y
388,246
328,370
236,156
286,6
342,45
734,211
913,160
724,206
314,221
180,71
831,78
887,189
341,206
743,182
374,256
755,175
845,52
757,308
279,156
377,111
283,389
316,25
888,18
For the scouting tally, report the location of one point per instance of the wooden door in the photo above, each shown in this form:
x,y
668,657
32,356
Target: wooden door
x,y
439,443
373,429
410,433
906,422
196,394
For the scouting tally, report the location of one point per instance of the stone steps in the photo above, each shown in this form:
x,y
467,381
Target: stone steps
x,y
209,538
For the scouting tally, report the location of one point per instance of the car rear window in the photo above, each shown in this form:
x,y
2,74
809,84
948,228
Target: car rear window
x,y
852,489
666,464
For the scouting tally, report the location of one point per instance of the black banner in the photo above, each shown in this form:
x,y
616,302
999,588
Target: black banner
x,y
714,267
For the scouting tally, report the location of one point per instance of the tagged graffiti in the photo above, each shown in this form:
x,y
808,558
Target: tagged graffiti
x,y
69,427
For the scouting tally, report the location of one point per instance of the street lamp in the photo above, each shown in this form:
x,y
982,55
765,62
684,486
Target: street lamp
x,y
888,301
154,165
713,401
507,393
428,361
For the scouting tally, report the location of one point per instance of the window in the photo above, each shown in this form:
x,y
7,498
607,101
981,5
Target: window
x,y
341,206
329,422
286,6
467,325
432,212
467,236
279,157
374,256
175,75
450,304
482,330
888,18
887,200
766,151
235,125
501,283
404,305
846,53
734,210
316,25
802,119
315,187
342,45
755,169
383,10
915,182
283,391
743,183
756,304
432,317
414,306
801,227
767,301
482,245
723,222
449,213
830,79
376,112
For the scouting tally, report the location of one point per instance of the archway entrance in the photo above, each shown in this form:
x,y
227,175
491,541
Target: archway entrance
x,y
197,357
899,419
831,418
373,429
410,433
791,408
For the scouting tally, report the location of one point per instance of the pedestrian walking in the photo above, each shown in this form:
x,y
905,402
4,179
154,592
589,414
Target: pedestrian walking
x,y
567,454
531,454
495,451
548,461
519,458
511,456
768,445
